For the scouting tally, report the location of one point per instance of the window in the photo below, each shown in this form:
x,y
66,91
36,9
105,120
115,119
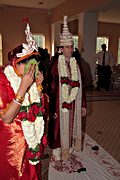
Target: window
x,y
118,60
40,39
100,41
1,60
75,40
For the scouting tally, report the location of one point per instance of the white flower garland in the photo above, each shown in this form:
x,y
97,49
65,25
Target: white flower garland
x,y
33,131
74,77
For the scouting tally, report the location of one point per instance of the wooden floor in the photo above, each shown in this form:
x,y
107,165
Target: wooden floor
x,y
103,123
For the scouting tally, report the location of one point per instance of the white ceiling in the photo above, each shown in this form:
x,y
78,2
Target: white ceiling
x,y
110,13
47,4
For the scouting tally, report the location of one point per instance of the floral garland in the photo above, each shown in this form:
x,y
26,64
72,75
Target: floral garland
x,y
30,116
68,84
33,128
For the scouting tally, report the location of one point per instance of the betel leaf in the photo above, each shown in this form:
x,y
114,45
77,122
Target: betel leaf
x,y
27,65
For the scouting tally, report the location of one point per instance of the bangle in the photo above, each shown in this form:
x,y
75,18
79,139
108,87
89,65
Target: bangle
x,y
19,98
17,102
39,88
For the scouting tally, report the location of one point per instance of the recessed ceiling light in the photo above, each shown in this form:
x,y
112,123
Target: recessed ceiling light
x,y
40,3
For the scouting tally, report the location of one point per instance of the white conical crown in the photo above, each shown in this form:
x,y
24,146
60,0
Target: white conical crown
x,y
31,43
66,38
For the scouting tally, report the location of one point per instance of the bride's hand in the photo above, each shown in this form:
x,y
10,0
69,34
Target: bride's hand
x,y
28,78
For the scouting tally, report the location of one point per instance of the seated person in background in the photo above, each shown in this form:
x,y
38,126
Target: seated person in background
x,y
104,62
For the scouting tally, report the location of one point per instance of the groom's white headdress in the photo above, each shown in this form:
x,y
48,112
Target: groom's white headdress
x,y
66,38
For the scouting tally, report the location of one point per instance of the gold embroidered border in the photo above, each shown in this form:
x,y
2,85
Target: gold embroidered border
x,y
78,144
65,154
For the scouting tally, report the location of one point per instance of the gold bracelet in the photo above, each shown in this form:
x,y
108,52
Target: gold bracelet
x,y
39,88
3,111
19,98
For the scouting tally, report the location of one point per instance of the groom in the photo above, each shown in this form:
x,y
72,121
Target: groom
x,y
67,102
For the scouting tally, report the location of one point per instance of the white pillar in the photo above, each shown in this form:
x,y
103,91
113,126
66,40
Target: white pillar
x,y
87,31
52,38
55,38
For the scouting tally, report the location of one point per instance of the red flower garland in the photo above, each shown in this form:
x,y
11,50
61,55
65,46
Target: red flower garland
x,y
34,110
66,80
74,83
67,105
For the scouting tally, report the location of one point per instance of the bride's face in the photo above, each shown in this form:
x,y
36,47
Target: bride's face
x,y
20,68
